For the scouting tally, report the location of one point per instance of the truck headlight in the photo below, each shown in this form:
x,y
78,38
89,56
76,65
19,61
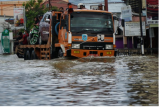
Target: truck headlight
x,y
109,47
77,46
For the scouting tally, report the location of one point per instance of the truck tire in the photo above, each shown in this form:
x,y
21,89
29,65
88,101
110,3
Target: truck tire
x,y
19,55
60,53
33,55
115,53
19,52
27,55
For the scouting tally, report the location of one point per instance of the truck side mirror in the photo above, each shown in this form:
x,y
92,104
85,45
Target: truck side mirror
x,y
114,18
122,22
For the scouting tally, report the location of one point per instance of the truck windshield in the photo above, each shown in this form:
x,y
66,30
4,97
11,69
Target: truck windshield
x,y
91,22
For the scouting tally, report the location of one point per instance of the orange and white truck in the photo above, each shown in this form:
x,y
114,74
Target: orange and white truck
x,y
78,33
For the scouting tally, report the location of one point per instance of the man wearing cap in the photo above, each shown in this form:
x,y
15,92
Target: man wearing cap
x,y
100,7
81,6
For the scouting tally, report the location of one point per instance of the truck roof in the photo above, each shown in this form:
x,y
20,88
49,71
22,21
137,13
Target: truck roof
x,y
89,10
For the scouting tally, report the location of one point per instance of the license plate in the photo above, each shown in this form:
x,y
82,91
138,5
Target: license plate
x,y
76,51
109,52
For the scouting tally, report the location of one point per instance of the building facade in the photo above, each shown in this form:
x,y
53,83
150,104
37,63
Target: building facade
x,y
150,12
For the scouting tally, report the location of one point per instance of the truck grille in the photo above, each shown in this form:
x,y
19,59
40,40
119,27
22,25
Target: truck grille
x,y
93,45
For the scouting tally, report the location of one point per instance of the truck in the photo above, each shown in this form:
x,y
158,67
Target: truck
x,y
73,33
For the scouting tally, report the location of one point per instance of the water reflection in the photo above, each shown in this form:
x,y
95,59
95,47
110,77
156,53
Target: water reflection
x,y
144,82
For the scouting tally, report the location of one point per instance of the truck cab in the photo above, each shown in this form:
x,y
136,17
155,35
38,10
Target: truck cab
x,y
85,33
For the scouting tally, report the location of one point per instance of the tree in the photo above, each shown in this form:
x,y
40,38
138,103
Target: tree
x,y
32,10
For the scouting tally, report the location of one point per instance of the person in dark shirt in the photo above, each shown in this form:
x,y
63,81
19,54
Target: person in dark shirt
x,y
24,39
100,7
20,35
61,9
36,21
81,6
40,17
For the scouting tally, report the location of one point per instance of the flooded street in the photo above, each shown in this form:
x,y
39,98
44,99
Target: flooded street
x,y
123,81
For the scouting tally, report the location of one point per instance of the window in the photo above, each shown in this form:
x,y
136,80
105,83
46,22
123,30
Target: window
x,y
91,22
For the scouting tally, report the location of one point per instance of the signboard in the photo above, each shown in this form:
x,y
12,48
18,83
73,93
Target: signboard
x,y
126,13
152,11
19,18
133,29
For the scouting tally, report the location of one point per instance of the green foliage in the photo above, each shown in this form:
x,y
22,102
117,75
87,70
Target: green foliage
x,y
32,10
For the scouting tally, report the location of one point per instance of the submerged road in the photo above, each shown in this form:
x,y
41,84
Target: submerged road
x,y
123,81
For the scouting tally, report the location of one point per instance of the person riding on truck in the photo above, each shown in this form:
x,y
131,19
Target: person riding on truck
x,y
61,9
81,6
40,17
36,21
24,38
20,35
100,7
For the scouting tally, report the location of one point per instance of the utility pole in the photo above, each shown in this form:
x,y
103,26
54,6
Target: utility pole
x,y
140,12
106,5
49,5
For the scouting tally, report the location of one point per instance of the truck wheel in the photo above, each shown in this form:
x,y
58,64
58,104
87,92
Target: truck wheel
x,y
20,55
27,55
60,53
33,55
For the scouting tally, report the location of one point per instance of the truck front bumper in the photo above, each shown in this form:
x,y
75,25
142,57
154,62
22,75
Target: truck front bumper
x,y
80,53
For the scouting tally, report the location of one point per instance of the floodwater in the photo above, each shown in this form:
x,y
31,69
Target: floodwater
x,y
123,81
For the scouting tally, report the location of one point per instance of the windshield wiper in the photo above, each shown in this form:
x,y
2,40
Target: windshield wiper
x,y
96,32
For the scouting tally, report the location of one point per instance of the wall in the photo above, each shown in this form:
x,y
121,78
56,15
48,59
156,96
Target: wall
x,y
136,18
